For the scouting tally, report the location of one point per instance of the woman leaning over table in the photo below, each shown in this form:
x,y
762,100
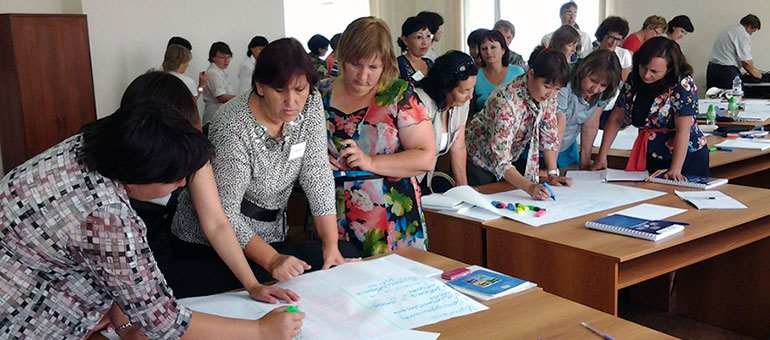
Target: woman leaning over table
x,y
266,139
379,138
446,94
74,250
520,119
660,98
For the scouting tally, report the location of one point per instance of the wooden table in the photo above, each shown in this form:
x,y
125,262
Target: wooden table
x,y
590,267
532,314
723,164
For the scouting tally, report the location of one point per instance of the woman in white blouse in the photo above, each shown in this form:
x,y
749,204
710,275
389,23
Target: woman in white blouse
x,y
176,61
247,66
218,90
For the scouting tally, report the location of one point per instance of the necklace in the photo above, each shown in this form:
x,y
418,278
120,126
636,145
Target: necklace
x,y
266,142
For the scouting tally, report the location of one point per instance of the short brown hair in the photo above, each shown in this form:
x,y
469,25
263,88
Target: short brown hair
x,y
564,36
365,38
655,21
752,21
603,63
175,55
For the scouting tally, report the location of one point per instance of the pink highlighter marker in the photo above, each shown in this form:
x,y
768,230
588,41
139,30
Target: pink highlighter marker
x,y
540,213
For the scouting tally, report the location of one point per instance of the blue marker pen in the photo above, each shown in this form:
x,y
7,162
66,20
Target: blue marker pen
x,y
549,190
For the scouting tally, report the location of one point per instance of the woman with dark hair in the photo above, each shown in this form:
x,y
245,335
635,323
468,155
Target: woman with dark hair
x,y
518,120
678,27
218,90
267,139
247,66
318,45
414,43
610,35
660,98
435,26
331,65
379,138
566,39
495,70
473,41
74,256
592,84
446,94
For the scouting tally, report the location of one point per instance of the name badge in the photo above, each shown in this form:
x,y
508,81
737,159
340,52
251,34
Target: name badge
x,y
297,151
417,76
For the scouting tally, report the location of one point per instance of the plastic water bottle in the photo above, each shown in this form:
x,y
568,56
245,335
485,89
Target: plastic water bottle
x,y
737,88
711,115
732,107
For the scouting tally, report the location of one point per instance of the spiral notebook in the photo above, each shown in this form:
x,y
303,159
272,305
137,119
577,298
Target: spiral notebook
x,y
636,227
692,181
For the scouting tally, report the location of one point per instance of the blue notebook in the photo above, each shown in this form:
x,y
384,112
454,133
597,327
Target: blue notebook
x,y
692,181
489,284
636,227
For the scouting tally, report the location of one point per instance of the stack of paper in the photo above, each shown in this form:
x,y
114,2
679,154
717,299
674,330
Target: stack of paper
x,y
745,144
709,199
754,116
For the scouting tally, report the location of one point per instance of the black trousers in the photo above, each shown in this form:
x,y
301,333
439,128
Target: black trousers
x,y
720,76
197,270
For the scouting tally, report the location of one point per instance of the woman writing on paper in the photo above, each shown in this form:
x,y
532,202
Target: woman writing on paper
x,y
446,94
518,120
660,98
379,138
592,83
266,139
75,250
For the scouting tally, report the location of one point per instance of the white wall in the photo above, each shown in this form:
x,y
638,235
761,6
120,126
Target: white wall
x,y
709,18
129,37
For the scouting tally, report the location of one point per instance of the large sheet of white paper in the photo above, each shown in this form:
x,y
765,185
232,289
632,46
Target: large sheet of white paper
x,y
584,197
361,300
624,140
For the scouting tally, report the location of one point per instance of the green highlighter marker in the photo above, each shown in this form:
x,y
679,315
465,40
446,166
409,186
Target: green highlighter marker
x,y
712,149
292,309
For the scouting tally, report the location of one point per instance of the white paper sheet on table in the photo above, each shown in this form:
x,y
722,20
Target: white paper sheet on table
x,y
624,140
608,175
744,144
470,211
581,199
410,335
360,300
754,115
710,199
649,211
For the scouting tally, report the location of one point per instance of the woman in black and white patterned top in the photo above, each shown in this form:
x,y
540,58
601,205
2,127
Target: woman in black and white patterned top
x,y
266,139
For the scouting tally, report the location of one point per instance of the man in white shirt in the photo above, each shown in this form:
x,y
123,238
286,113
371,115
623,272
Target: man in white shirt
x,y
568,15
731,51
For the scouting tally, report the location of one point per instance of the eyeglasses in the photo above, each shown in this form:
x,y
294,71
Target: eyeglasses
x,y
614,39
224,57
570,13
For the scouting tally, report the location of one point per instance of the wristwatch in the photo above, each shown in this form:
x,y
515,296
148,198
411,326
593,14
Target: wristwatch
x,y
200,89
554,172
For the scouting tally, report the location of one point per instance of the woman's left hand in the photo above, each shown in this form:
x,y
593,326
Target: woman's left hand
x,y
559,181
675,175
272,294
355,157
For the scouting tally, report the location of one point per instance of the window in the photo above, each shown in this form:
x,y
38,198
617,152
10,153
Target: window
x,y
304,18
532,20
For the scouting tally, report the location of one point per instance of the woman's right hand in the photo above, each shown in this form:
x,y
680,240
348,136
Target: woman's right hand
x,y
280,325
600,163
538,192
284,267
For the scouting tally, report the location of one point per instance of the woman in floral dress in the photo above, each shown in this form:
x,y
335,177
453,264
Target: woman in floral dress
x,y
662,100
379,137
